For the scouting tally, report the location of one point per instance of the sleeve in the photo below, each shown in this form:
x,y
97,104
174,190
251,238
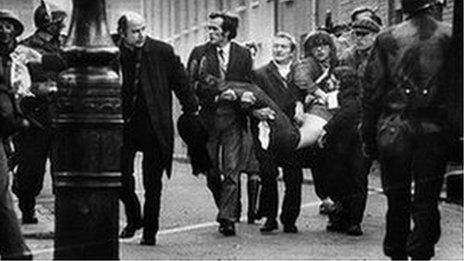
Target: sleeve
x,y
9,123
347,117
373,86
179,83
53,62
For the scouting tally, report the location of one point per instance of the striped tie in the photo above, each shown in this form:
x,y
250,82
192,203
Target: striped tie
x,y
222,64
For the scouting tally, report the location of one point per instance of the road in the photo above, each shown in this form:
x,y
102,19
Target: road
x,y
188,230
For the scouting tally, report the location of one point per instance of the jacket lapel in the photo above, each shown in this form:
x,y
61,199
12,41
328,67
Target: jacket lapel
x,y
232,57
272,69
212,61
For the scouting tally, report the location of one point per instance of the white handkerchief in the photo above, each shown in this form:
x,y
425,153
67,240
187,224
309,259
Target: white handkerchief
x,y
263,134
332,100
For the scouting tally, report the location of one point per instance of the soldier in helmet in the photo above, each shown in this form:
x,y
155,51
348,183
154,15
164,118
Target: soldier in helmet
x,y
12,244
33,145
404,125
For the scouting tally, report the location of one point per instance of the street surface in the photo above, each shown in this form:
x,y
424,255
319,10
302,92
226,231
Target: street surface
x,y
189,231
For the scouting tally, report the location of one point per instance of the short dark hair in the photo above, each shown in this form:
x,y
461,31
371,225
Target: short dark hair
x,y
229,24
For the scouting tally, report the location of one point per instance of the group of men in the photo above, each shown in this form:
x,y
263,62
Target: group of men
x,y
390,105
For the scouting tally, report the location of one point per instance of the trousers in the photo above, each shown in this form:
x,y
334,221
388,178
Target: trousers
x,y
420,161
11,240
152,172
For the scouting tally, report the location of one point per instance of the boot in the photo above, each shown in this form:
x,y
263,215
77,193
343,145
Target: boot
x,y
253,188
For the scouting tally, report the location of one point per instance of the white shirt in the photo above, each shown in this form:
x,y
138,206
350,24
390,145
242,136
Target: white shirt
x,y
284,69
225,52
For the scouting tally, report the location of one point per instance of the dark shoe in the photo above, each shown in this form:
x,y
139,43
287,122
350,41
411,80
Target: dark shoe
x,y
30,220
129,231
290,229
227,228
335,227
354,230
148,242
269,226
399,257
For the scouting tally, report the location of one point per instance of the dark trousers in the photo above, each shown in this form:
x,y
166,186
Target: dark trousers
x,y
293,178
152,171
224,147
421,159
317,164
347,175
32,146
11,240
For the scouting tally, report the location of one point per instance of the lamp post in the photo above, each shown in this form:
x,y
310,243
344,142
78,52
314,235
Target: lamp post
x,y
86,153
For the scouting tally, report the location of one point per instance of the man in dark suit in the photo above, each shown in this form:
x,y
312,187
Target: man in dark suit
x,y
151,71
227,60
272,79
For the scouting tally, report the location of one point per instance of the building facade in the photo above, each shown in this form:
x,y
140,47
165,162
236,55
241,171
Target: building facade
x,y
182,22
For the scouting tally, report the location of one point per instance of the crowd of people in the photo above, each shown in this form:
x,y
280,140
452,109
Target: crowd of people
x,y
358,93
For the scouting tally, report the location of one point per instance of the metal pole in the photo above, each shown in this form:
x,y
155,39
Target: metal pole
x,y
86,153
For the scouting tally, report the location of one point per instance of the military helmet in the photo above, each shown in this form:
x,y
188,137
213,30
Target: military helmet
x,y
47,14
9,16
413,6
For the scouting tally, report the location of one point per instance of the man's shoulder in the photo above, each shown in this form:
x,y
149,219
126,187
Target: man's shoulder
x,y
158,45
240,49
263,70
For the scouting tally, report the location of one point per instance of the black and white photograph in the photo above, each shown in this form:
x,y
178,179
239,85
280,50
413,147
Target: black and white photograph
x,y
231,130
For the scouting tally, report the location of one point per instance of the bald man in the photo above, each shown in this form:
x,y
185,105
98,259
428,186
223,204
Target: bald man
x,y
151,71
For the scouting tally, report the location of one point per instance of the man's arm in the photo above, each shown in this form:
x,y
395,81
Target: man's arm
x,y
373,86
179,83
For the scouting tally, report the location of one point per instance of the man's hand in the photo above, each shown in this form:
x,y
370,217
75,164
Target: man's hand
x,y
26,55
299,111
47,87
321,140
264,114
228,95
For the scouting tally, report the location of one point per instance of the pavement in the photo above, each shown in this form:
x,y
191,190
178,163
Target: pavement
x,y
188,229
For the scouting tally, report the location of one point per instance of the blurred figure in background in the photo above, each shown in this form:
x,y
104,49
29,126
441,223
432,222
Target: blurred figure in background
x,y
33,145
14,84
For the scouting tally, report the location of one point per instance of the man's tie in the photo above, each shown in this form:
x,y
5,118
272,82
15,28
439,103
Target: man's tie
x,y
222,64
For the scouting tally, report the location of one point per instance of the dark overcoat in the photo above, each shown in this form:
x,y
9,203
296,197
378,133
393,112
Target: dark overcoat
x,y
161,74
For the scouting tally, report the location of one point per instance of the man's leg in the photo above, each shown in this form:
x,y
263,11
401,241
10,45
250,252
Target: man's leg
x,y
213,176
152,174
293,179
12,244
127,192
32,147
396,183
268,200
231,156
428,168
